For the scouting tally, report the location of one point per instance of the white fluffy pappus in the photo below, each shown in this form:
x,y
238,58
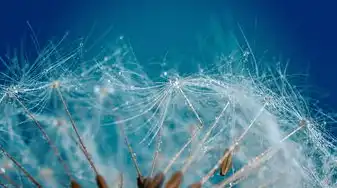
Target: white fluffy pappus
x,y
106,123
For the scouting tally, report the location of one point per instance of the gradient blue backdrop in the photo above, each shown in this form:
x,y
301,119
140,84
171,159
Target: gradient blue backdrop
x,y
303,31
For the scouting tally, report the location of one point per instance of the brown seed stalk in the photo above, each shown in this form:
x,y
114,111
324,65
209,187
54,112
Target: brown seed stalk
x,y
74,184
195,185
101,183
175,180
226,163
157,180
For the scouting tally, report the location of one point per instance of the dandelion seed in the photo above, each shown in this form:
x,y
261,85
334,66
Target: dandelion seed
x,y
175,180
157,180
74,184
226,163
101,182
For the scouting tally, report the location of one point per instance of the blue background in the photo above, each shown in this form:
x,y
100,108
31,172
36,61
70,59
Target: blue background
x,y
303,31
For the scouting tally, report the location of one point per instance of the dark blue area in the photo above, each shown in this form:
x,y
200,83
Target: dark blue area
x,y
303,31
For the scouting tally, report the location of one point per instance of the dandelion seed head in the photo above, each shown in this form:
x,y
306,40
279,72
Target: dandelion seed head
x,y
110,118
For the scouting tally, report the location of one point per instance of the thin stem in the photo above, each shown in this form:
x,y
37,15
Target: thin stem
x,y
29,176
83,148
9,179
3,185
257,161
252,164
133,157
179,152
232,147
192,108
252,122
50,143
270,182
190,159
121,181
156,153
